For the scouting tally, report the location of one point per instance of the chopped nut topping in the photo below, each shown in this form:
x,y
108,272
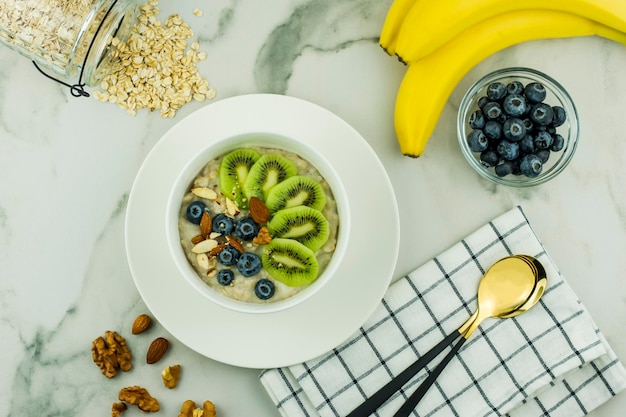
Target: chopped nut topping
x,y
263,237
203,260
204,246
231,207
204,192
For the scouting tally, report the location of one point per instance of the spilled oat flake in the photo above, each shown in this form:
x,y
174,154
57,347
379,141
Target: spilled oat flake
x,y
155,68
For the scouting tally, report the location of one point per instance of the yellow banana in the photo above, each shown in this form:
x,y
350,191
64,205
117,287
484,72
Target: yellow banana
x,y
431,23
393,21
428,82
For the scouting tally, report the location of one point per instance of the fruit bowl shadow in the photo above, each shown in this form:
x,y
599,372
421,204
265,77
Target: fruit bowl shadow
x,y
221,147
556,95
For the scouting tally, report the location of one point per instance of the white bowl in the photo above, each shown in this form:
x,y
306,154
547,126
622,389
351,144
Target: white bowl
x,y
327,312
221,147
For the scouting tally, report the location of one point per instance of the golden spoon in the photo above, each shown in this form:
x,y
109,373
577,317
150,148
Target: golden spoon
x,y
510,287
540,287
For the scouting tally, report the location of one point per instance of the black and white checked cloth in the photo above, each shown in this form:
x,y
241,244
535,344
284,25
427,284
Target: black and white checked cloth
x,y
551,361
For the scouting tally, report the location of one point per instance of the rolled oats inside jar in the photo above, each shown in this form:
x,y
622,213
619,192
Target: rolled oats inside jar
x,y
65,36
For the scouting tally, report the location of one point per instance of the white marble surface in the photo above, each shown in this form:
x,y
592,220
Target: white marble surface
x,y
67,166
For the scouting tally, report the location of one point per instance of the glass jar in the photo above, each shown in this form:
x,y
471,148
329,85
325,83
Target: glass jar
x,y
68,37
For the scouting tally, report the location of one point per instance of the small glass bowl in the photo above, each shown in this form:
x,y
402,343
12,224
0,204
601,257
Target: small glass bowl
x,y
556,96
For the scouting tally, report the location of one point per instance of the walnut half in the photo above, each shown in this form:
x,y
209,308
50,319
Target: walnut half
x,y
111,353
170,376
117,409
140,397
189,409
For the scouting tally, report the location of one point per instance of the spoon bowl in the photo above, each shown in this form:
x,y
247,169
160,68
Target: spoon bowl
x,y
507,286
540,287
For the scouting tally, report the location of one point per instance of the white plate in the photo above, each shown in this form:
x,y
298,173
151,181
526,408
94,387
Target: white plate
x,y
322,321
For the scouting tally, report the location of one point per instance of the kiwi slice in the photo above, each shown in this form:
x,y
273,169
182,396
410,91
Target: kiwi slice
x,y
290,262
267,171
299,190
304,224
234,169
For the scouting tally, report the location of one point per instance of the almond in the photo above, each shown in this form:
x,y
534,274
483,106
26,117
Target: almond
x,y
203,260
235,244
141,324
205,224
231,207
204,246
197,239
258,210
157,350
213,252
203,192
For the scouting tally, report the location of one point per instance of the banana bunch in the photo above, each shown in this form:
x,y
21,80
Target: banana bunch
x,y
442,40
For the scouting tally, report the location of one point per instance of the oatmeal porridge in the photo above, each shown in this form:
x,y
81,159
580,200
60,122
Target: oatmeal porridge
x,y
258,224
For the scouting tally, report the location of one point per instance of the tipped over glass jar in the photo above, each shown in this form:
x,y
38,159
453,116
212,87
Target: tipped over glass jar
x,y
70,38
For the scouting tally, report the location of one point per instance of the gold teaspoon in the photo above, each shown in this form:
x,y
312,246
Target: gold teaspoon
x,y
510,287
504,288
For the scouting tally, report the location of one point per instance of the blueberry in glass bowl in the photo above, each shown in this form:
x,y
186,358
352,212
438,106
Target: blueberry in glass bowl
x,y
517,127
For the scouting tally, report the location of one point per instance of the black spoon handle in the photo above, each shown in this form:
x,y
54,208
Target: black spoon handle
x,y
419,393
379,397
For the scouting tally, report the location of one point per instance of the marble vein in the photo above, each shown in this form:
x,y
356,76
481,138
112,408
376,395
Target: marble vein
x,y
60,356
316,26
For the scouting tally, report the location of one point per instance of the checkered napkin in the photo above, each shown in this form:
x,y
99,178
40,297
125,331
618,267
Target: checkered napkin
x,y
551,360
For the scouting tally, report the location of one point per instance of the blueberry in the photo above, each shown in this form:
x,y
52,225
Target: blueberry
x,y
225,276
222,224
508,150
542,114
558,143
535,92
482,101
543,154
264,289
489,158
514,129
559,116
228,256
493,129
246,229
531,166
543,140
504,169
477,120
249,264
527,144
515,105
529,124
496,91
515,87
492,110
194,211
477,141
